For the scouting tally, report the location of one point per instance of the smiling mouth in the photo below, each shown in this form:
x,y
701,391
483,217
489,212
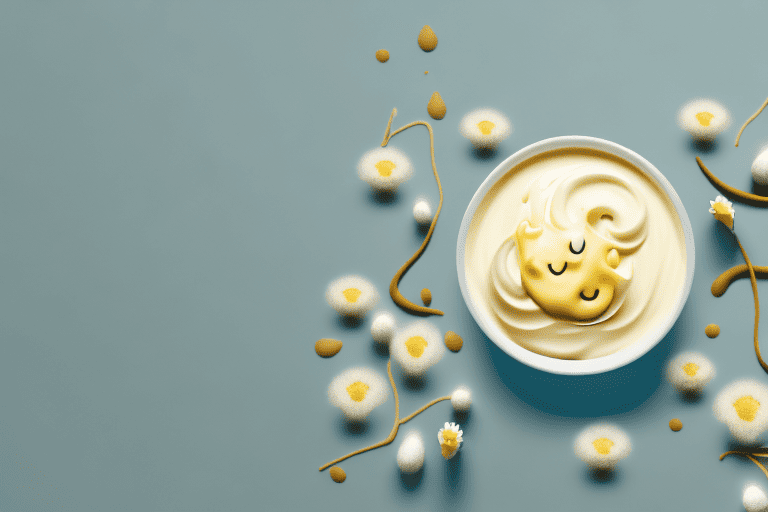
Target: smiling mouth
x,y
565,265
581,294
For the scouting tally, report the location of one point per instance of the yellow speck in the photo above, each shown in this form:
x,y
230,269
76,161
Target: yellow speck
x,y
426,72
427,39
337,474
712,330
704,118
603,445
691,369
746,407
382,55
675,424
486,127
453,341
385,167
357,391
415,345
351,294
613,258
436,106
426,296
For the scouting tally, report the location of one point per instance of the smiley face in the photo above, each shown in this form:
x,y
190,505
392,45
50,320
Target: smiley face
x,y
568,273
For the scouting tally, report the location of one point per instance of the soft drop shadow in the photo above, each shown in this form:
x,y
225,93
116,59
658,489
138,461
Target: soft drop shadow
x,y
691,397
453,473
383,197
415,382
464,420
602,477
380,349
759,190
410,482
350,322
421,231
703,146
722,243
483,154
349,428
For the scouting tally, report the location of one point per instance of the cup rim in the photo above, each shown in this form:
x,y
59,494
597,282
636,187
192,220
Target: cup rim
x,y
586,366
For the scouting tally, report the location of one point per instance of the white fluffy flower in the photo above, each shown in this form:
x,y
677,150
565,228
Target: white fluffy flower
x,y
383,327
703,118
461,399
410,455
690,371
743,406
422,211
754,498
760,168
417,346
485,127
722,210
602,446
357,391
352,295
384,169
450,438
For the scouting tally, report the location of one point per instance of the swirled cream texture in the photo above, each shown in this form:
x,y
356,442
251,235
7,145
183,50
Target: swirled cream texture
x,y
575,254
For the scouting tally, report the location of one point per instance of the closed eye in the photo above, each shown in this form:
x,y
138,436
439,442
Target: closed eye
x,y
583,245
565,265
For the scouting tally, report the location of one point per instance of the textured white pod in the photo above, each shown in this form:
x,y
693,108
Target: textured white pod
x,y
383,327
760,168
410,455
754,498
461,399
422,211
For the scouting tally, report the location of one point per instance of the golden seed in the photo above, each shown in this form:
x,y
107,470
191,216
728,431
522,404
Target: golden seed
x,y
427,39
426,296
453,341
712,330
337,474
382,55
675,424
436,106
327,347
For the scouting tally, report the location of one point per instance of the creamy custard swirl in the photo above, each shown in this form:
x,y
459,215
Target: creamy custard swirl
x,y
568,262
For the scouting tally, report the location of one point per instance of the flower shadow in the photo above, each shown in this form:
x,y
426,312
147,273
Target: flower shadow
x,y
383,197
703,146
482,154
602,477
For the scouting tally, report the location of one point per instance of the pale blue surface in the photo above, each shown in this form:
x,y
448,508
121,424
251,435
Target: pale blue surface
x,y
178,187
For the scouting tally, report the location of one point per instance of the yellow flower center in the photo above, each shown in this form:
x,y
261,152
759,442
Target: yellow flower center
x,y
723,214
704,118
485,127
357,391
691,369
602,445
385,167
450,442
746,407
415,345
351,294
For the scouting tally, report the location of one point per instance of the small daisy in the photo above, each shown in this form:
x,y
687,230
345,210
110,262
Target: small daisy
x,y
461,399
450,439
417,346
690,371
351,295
754,498
485,127
743,406
760,168
410,455
384,169
357,391
383,327
422,211
703,118
723,210
602,446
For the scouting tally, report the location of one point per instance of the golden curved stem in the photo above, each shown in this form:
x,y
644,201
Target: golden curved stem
x,y
753,280
720,184
765,103
724,280
394,291
395,427
765,471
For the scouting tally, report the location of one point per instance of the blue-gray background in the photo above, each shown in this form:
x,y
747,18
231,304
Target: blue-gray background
x,y
178,187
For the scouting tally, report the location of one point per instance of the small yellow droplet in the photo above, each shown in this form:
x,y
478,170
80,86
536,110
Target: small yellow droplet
x,y
416,345
436,106
427,39
426,72
486,127
385,167
691,369
352,294
746,407
327,347
602,445
453,341
357,391
675,424
382,55
704,118
613,258
337,474
712,330
426,296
